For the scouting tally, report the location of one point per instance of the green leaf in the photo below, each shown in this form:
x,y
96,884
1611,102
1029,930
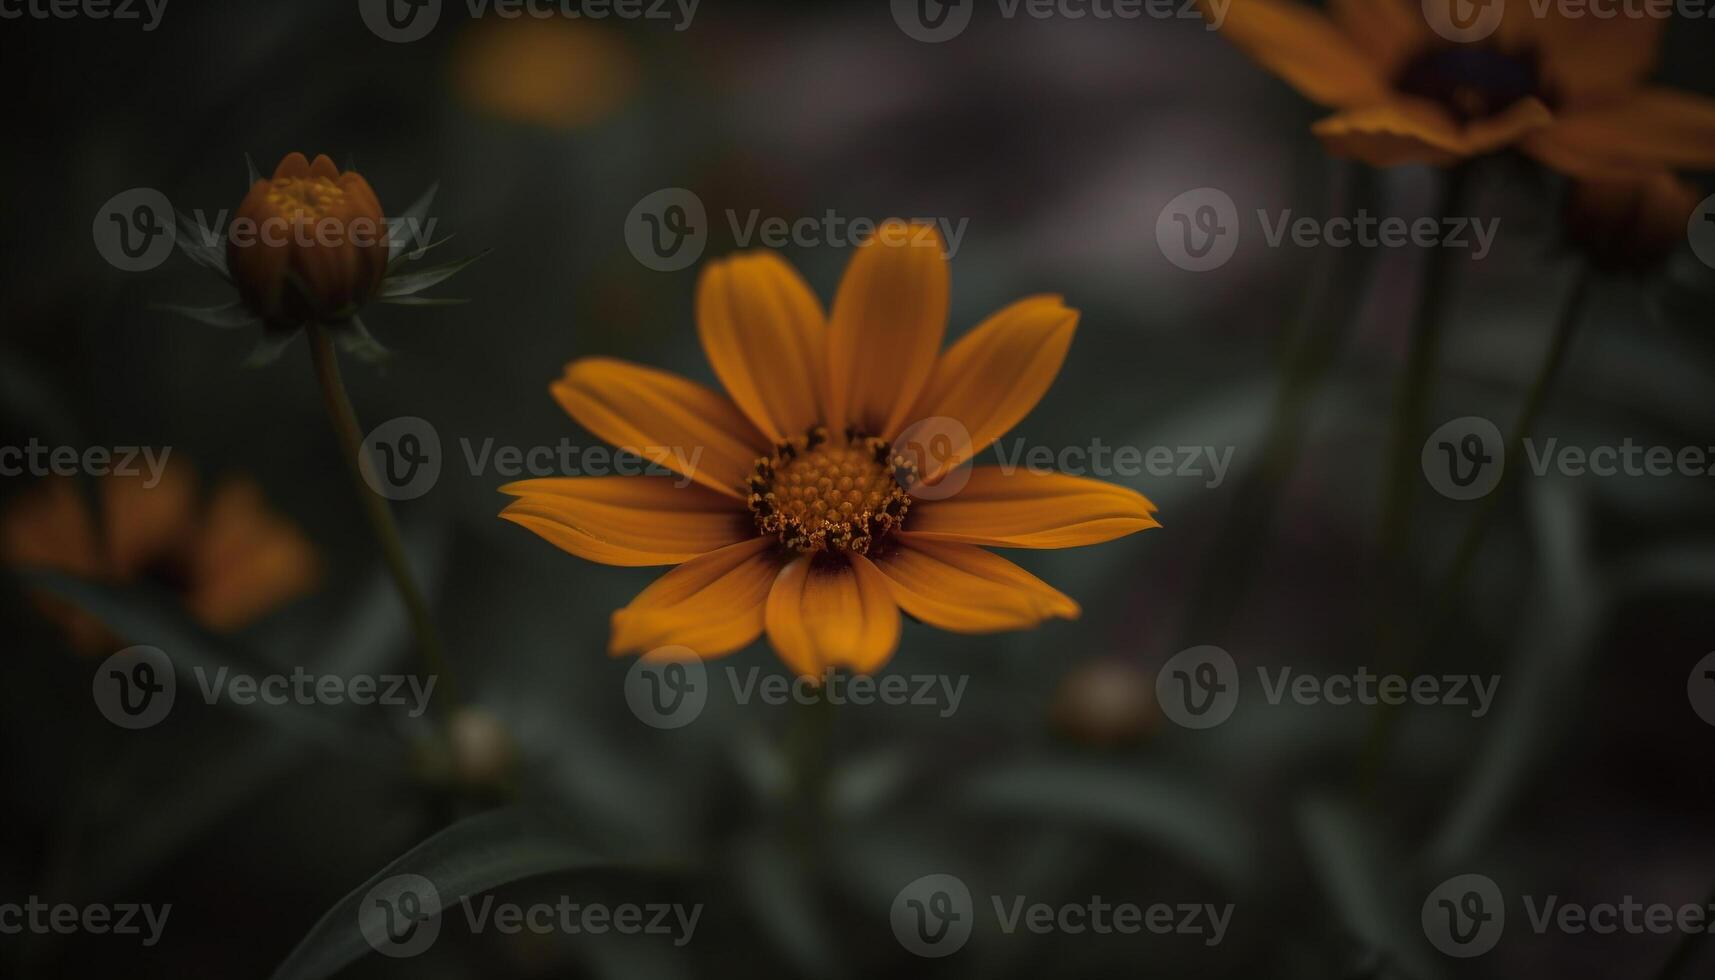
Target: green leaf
x,y
250,170
411,220
412,282
1147,806
203,246
422,301
228,316
1362,877
466,859
270,347
355,339
156,619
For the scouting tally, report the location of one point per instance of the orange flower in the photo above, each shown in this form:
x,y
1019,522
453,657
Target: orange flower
x,y
1570,92
230,563
562,74
801,512
308,244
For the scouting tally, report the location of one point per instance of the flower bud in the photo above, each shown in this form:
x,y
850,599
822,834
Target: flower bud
x,y
308,244
1106,703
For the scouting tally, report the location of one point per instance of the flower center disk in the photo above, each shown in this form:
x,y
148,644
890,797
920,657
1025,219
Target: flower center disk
x,y
1474,82
305,197
817,494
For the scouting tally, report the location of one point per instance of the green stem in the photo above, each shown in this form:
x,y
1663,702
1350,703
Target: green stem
x,y
1411,403
809,756
1471,542
1322,324
375,508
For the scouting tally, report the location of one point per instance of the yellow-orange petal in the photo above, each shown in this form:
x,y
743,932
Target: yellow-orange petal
x,y
712,604
1389,32
1587,58
993,376
831,611
1025,509
663,418
293,164
149,517
888,320
1657,126
246,561
628,520
1410,130
766,337
962,588
1306,49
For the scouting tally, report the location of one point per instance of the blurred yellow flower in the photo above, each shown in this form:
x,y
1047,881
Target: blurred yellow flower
x,y
799,510
230,562
556,73
1569,91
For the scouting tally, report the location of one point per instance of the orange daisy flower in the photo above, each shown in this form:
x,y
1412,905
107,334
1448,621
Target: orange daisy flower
x,y
230,562
1570,92
797,513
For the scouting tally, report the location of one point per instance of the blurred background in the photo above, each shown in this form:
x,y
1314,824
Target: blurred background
x,y
1058,142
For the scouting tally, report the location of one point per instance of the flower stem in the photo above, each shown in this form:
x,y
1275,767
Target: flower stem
x,y
1411,403
380,516
1471,542
1318,332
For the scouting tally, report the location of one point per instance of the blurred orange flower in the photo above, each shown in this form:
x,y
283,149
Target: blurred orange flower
x,y
802,512
556,73
308,244
1568,91
230,563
